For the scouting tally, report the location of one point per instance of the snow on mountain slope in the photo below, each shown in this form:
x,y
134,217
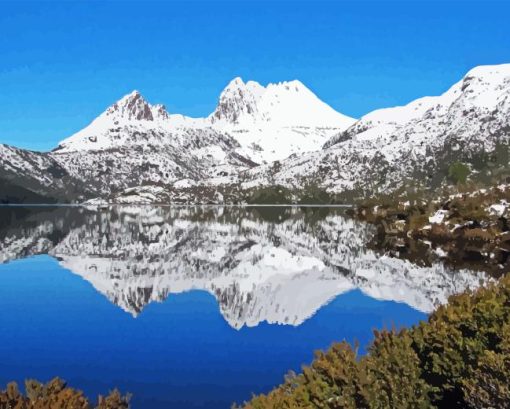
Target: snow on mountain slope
x,y
414,142
202,154
130,121
134,143
18,161
287,103
276,121
38,173
269,122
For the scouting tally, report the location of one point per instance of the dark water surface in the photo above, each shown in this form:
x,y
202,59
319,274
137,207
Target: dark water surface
x,y
195,307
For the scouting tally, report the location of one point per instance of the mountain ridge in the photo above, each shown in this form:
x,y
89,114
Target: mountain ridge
x,y
416,142
241,108
276,135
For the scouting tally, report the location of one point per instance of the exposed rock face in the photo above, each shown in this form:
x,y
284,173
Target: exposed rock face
x,y
237,100
133,107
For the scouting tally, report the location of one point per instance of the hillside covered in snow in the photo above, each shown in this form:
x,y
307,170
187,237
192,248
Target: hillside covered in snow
x,y
136,143
417,143
279,135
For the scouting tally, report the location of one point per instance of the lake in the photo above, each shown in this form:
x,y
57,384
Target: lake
x,y
196,307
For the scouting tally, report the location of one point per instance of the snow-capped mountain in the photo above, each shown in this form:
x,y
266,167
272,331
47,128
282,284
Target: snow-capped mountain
x,y
269,123
279,134
130,121
388,147
258,270
134,143
276,121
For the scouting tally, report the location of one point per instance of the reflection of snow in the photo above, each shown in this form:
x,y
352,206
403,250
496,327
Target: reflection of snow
x,y
257,270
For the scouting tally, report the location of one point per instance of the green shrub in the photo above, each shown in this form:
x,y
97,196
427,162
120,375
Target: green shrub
x,y
488,383
392,372
312,194
458,172
459,358
270,195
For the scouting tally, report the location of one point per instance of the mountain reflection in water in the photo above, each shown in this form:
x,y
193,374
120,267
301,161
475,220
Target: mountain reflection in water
x,y
278,265
306,269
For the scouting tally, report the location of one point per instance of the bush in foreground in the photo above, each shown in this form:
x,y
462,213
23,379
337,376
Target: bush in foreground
x,y
56,395
460,358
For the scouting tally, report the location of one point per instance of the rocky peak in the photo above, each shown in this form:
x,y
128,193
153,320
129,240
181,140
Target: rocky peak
x,y
237,99
134,107
292,86
485,86
159,111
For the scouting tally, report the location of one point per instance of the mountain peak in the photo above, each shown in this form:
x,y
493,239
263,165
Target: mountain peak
x,y
286,103
498,70
236,83
133,106
265,116
237,99
132,111
294,85
134,94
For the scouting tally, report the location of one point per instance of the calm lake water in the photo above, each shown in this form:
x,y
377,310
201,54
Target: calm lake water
x,y
195,307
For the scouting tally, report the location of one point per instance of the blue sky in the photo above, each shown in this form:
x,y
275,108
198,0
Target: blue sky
x,y
61,64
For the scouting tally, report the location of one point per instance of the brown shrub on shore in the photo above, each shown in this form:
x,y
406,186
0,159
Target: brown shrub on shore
x,y
56,395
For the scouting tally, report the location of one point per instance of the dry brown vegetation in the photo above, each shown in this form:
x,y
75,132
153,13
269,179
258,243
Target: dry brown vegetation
x,y
469,230
56,395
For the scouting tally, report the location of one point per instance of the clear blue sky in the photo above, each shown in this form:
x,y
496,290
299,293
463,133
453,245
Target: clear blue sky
x,y
61,64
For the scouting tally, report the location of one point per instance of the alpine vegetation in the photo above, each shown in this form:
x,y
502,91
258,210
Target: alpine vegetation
x,y
460,358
